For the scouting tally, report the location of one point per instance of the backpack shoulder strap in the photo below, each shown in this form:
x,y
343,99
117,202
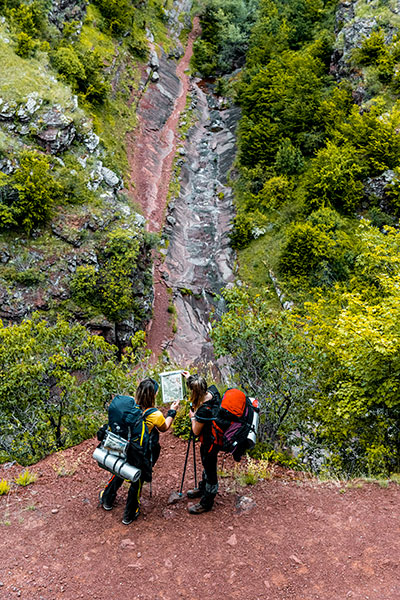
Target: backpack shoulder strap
x,y
149,411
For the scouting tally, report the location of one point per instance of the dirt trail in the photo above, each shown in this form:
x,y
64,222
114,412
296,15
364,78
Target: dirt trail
x,y
151,151
302,540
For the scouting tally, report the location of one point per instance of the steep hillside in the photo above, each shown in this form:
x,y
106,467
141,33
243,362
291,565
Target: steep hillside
x,y
317,197
71,242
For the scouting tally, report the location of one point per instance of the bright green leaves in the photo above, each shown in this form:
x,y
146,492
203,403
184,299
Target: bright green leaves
x,y
334,179
356,340
111,288
54,383
27,197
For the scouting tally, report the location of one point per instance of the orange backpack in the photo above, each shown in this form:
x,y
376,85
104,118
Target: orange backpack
x,y
235,425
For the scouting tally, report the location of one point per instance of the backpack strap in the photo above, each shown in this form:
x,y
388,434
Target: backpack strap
x,y
149,411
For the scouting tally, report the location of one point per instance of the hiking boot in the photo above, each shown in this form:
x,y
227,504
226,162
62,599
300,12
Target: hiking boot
x,y
197,509
195,493
102,503
127,520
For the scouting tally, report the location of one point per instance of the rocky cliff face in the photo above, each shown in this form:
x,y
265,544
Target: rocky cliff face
x,y
356,20
36,271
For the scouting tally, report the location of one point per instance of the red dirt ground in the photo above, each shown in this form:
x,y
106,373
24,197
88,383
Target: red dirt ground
x,y
303,540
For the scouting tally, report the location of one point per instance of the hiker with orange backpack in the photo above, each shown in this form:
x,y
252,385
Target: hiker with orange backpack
x,y
229,424
204,402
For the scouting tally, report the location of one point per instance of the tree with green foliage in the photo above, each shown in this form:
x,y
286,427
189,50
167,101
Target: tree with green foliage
x,y
226,26
334,179
55,381
269,361
354,337
112,288
28,196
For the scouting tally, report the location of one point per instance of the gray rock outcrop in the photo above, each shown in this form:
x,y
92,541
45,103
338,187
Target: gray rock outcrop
x,y
353,25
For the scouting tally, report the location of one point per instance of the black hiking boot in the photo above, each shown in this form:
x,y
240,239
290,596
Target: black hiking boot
x,y
197,509
127,519
195,493
102,503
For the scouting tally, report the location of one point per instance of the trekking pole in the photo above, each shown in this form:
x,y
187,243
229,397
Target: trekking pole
x,y
194,462
186,460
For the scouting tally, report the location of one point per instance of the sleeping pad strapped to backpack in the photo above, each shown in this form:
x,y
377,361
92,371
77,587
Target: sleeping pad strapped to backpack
x,y
126,419
235,422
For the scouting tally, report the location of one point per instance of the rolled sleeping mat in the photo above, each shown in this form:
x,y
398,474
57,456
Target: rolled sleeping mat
x,y
117,465
252,435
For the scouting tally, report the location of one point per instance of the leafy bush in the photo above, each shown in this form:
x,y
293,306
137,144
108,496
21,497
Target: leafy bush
x,y
289,159
275,192
29,18
25,45
29,194
279,103
334,179
69,66
373,49
26,478
305,247
111,288
54,384
242,232
4,487
226,26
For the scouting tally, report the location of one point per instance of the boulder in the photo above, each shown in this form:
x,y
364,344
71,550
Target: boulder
x,y
56,130
154,63
91,141
375,187
7,109
111,178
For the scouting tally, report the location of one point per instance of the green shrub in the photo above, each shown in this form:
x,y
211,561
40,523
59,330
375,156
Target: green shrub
x,y
374,135
25,45
73,178
69,66
334,179
4,487
27,277
275,192
242,232
34,192
326,219
204,58
54,382
110,288
26,478
29,18
226,26
372,49
305,247
289,159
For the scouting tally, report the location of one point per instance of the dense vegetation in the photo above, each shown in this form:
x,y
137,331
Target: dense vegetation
x,y
55,381
69,240
317,206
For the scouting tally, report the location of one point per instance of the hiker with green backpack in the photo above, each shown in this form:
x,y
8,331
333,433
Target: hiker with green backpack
x,y
137,420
